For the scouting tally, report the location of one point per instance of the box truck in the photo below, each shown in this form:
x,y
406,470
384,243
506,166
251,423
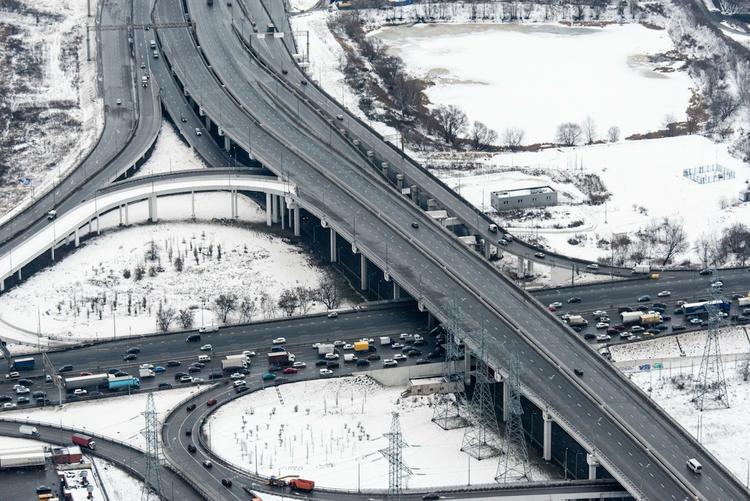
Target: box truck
x,y
82,440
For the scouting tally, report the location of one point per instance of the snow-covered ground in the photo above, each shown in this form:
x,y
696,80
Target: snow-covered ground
x,y
543,75
117,418
645,179
50,113
89,294
335,436
302,5
170,154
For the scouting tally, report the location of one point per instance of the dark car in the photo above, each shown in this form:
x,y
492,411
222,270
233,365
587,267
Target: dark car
x,y
193,369
173,363
661,327
678,327
746,311
134,350
678,311
113,371
216,375
25,382
373,356
240,389
644,298
129,357
23,400
320,363
191,448
643,308
666,318
332,365
190,407
165,386
188,433
623,309
421,361
43,489
200,365
363,363
42,401
431,495
705,272
653,330
226,483
618,327
193,338
578,372
658,305
38,394
574,300
742,320
413,353
211,402
612,331
120,374
435,354
414,224
276,368
589,335
65,368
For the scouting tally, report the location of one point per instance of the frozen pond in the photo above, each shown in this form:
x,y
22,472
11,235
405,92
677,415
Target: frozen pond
x,y
536,76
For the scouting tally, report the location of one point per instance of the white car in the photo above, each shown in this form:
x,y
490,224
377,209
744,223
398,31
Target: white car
x,y
209,328
404,335
390,363
147,366
332,356
592,266
599,313
348,346
338,343
397,345
248,353
718,284
625,335
664,294
556,304
80,391
326,372
279,340
398,357
198,380
186,379
22,390
603,337
299,365
602,325
240,382
333,314
9,405
236,375
207,347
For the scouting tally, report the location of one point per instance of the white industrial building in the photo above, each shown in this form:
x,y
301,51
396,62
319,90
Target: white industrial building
x,y
523,198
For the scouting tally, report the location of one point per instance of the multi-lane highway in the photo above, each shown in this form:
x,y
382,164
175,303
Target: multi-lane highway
x,y
631,437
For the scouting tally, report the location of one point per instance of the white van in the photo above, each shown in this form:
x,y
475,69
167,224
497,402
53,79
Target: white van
x,y
694,465
204,358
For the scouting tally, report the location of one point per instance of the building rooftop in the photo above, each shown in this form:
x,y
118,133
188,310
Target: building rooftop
x,y
426,380
520,192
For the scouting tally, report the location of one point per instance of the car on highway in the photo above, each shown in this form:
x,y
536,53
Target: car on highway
x,y
6,398
226,483
173,363
637,328
373,356
248,353
9,405
23,400
695,321
325,372
338,343
159,369
236,375
208,464
299,365
574,300
399,357
705,271
279,340
207,347
118,101
21,390
388,362
320,363
186,379
331,356
133,349
678,327
333,314
653,330
268,376
165,386
664,294
362,363
147,366
191,448
211,402
502,241
414,225
82,373
578,372
290,370
198,132
129,357
348,346
556,304
603,337
540,255
80,392
717,284
431,495
602,325
240,389
644,298
193,369
64,368
396,346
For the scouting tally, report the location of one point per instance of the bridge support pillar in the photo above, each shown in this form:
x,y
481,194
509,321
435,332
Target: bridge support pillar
x,y
98,229
127,215
274,209
547,442
520,267
192,205
396,291
52,251
19,275
530,266
208,124
268,209
119,213
334,250
487,249
593,463
152,209
77,237
227,143
400,181
282,211
297,231
467,365
362,272
414,191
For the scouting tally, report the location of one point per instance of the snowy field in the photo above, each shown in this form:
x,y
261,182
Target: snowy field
x,y
89,294
170,154
645,179
335,437
124,415
543,75
50,114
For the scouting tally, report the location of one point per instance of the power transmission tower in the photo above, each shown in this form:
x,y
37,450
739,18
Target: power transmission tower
x,y
394,454
711,381
514,436
480,438
152,478
447,413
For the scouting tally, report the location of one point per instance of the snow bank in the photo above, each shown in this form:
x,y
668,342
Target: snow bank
x,y
544,75
302,5
118,484
170,154
332,430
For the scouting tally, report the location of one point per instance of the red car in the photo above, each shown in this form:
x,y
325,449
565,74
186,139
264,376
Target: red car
x,y
290,370
85,373
211,402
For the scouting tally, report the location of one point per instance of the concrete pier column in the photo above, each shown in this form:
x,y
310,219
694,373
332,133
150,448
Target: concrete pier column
x,y
2,285
467,364
208,124
282,212
487,249
227,143
334,250
268,209
119,211
153,215
520,266
127,214
275,209
547,442
192,205
89,232
236,204
297,231
77,237
98,229
19,274
52,251
593,463
400,181
396,291
506,399
530,266
362,272
414,190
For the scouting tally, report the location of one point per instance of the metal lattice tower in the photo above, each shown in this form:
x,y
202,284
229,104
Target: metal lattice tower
x,y
711,381
394,454
480,438
152,478
447,413
514,436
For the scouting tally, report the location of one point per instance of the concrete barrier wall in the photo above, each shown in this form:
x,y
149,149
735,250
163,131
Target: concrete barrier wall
x,y
399,376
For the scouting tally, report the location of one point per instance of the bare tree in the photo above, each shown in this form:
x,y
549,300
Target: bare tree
x,y
481,136
186,318
451,122
723,105
164,318
589,129
288,302
728,7
568,134
306,296
671,237
735,240
620,246
225,304
247,309
329,294
613,134
744,370
705,247
513,138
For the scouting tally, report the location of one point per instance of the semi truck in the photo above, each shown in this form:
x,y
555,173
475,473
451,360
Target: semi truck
x,y
360,346
577,320
325,348
82,440
123,382
702,307
72,383
28,430
744,301
630,317
23,364
650,318
22,459
280,358
233,362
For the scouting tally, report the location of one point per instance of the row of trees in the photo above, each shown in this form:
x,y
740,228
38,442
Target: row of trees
x,y
293,300
571,134
452,124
